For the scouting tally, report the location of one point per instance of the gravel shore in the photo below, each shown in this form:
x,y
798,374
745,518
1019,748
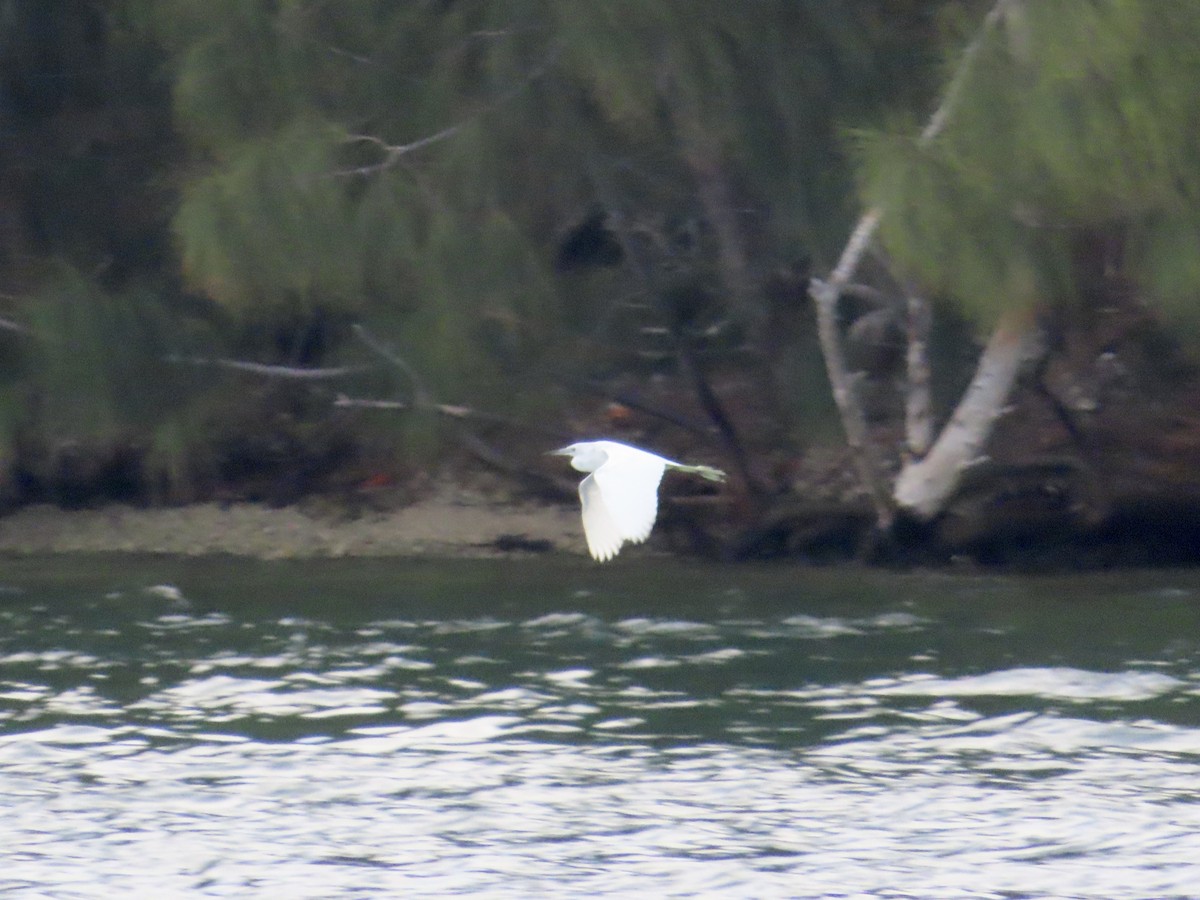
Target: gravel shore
x,y
441,526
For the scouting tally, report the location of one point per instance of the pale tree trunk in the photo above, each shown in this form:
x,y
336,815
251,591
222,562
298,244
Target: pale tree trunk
x,y
863,453
825,295
918,396
924,486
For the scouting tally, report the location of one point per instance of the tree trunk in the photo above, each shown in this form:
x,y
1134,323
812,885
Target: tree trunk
x,y
918,397
926,485
862,451
825,295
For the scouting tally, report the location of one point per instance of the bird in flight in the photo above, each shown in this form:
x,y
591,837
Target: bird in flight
x,y
620,493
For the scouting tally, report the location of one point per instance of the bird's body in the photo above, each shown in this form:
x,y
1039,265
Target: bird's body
x,y
620,493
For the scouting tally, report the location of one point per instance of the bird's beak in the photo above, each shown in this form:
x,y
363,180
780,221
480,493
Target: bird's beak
x,y
561,452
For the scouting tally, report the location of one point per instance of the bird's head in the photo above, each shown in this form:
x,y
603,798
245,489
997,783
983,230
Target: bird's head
x,y
586,456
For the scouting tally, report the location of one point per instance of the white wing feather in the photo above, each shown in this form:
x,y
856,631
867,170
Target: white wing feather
x,y
603,536
630,492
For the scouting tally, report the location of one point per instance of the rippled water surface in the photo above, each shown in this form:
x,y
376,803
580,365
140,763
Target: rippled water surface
x,y
517,729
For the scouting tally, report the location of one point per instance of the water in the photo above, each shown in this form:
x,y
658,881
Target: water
x,y
498,729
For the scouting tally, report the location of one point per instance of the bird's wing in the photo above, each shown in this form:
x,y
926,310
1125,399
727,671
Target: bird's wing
x,y
629,489
603,535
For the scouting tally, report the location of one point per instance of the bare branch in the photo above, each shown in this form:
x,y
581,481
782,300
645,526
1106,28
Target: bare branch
x,y
937,122
454,412
10,325
825,295
864,232
353,57
856,246
423,395
393,153
854,422
272,371
689,366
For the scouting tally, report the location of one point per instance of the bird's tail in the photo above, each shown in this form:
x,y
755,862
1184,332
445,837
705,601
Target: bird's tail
x,y
708,473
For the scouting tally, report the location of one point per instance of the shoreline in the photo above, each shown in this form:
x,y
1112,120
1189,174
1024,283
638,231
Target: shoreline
x,y
453,522
448,527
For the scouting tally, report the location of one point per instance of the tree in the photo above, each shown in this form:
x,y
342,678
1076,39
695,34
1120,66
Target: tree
x,y
1068,136
84,248
408,166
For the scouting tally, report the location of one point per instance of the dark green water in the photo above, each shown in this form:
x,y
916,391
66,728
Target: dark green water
x,y
646,728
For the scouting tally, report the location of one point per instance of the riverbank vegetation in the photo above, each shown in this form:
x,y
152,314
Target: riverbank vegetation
x,y
921,275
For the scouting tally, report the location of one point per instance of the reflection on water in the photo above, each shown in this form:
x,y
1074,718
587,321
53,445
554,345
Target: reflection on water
x,y
190,728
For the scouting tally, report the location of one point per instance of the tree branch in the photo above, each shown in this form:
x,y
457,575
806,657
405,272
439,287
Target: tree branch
x,y
854,421
825,295
421,393
925,486
10,325
393,153
272,371
689,364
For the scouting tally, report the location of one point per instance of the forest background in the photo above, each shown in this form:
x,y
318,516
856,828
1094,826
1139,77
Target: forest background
x,y
921,274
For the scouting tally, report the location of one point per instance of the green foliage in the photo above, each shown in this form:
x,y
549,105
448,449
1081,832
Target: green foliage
x,y
96,378
1077,117
231,76
99,362
309,198
1167,253
754,89
411,167
303,203
270,229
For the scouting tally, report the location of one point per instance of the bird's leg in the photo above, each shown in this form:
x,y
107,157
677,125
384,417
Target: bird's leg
x,y
708,473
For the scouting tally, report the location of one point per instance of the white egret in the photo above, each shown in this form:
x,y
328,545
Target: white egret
x,y
620,493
